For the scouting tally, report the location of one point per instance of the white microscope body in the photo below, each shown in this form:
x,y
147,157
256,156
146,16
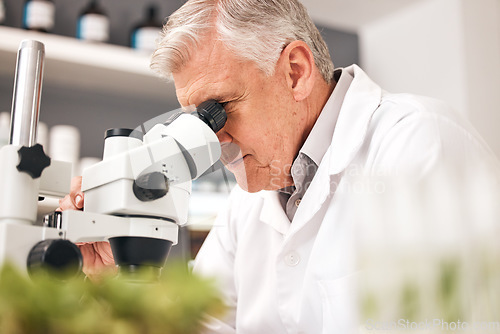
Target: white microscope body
x,y
136,197
141,189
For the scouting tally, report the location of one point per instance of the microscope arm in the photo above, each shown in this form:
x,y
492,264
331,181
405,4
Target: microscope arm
x,y
174,153
79,226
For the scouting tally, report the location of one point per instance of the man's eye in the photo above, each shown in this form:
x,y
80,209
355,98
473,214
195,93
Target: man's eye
x,y
227,106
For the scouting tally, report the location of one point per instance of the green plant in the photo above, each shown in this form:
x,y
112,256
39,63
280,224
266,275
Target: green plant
x,y
175,304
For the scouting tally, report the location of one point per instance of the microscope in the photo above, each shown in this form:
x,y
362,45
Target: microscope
x,y
136,197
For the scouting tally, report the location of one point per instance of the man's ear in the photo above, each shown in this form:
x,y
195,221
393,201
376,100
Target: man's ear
x,y
298,62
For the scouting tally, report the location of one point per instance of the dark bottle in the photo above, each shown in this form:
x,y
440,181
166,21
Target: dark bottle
x,y
93,24
143,36
39,15
2,12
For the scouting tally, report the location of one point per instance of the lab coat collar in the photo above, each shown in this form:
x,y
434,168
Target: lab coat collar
x,y
272,212
360,102
315,146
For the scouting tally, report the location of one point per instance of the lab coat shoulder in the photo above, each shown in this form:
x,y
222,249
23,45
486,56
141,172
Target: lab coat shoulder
x,y
217,255
410,135
223,237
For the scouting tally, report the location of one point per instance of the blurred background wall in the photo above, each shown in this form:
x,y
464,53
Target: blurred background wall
x,y
447,49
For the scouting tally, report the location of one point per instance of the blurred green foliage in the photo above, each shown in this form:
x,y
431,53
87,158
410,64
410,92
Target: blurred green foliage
x,y
174,304
449,290
410,303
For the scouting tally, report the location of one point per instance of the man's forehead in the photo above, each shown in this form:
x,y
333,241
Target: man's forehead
x,y
206,74
200,88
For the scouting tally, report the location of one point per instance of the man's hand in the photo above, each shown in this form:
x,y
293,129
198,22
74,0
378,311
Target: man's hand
x,y
74,200
97,256
97,259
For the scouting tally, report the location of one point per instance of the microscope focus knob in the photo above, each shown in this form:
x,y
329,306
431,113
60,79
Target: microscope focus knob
x,y
150,186
32,160
213,114
56,256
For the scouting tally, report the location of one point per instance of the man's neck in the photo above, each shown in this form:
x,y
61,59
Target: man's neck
x,y
315,104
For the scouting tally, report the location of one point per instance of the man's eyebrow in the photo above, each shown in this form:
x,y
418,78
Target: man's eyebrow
x,y
219,98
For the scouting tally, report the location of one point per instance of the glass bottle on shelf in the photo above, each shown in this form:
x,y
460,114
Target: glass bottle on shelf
x,y
143,36
39,15
2,12
93,24
64,145
4,128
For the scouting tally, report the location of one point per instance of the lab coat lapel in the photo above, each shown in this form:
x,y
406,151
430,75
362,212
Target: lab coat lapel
x,y
360,102
272,212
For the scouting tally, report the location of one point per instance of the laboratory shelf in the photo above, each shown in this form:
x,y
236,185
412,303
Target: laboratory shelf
x,y
73,63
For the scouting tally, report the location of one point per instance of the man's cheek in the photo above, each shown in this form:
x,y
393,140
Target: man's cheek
x,y
230,152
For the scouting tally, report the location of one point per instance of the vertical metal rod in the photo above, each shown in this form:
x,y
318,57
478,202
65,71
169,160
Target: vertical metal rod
x,y
27,93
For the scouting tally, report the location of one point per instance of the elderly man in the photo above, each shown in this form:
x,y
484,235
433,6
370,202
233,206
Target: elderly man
x,y
281,249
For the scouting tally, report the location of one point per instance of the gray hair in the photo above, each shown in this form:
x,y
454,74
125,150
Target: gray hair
x,y
255,30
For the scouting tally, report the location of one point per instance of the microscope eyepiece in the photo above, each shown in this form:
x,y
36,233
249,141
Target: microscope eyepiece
x,y
213,114
123,132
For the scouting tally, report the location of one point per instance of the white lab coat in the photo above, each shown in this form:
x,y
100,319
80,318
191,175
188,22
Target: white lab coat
x,y
282,277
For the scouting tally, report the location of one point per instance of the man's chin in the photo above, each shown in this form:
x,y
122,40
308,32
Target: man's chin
x,y
247,185
250,179
253,184
250,189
